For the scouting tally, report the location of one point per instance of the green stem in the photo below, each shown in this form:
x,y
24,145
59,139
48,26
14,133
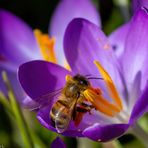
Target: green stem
x,y
18,114
117,144
37,140
140,134
87,143
83,143
96,2
4,101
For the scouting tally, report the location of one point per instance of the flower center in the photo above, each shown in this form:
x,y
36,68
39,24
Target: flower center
x,y
97,99
46,45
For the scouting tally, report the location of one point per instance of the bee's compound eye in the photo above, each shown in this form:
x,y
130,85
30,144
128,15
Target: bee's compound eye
x,y
84,82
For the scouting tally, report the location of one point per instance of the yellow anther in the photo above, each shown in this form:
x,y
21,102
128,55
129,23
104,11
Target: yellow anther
x,y
46,45
110,85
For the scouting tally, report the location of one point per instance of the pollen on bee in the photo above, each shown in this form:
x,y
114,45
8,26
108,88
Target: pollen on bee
x,y
68,78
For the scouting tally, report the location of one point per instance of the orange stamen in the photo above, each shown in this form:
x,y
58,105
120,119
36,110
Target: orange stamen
x,y
100,103
46,46
110,85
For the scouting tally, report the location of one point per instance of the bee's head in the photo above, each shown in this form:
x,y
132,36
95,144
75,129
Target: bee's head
x,y
81,80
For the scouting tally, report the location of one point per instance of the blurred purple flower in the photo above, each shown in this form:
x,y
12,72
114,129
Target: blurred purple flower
x,y
18,43
125,76
58,143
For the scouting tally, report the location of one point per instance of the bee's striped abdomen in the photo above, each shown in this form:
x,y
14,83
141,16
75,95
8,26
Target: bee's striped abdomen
x,y
60,115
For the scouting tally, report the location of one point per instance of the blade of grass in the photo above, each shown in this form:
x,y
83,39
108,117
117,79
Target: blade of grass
x,y
26,136
4,101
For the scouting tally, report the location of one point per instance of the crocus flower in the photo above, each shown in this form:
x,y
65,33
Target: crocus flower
x,y
119,99
19,44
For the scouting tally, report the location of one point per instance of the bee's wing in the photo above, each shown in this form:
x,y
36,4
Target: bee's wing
x,y
45,99
63,117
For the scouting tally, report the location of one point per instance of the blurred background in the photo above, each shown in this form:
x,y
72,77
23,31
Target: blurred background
x,y
37,13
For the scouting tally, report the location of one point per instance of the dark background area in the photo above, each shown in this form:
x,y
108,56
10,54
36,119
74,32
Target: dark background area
x,y
37,13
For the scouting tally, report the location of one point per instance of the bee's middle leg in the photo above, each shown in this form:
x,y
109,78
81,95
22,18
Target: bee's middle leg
x,y
84,107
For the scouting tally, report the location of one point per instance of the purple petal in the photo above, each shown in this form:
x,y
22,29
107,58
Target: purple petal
x,y
39,78
84,42
17,41
135,56
58,143
141,106
44,119
64,13
134,92
118,38
105,133
139,3
28,103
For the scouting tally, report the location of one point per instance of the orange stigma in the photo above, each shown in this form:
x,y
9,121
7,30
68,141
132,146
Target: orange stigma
x,y
46,45
96,97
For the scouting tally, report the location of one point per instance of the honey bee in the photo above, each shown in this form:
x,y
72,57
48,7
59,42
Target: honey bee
x,y
71,103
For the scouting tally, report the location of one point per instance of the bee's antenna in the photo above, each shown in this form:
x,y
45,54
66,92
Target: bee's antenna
x,y
87,75
95,78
